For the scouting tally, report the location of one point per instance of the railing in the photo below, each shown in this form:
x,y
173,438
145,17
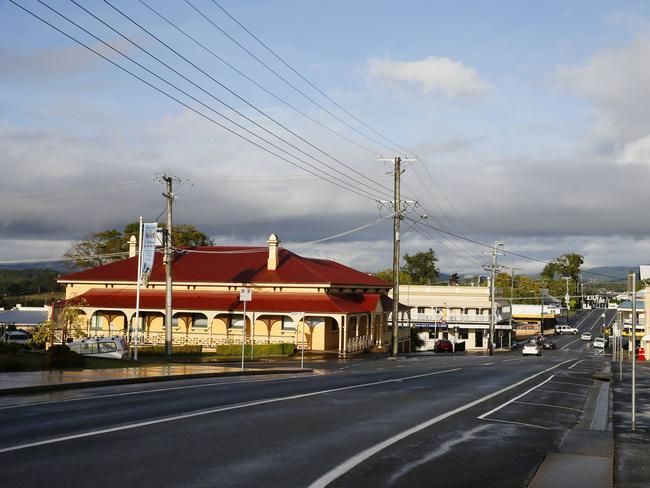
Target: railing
x,y
158,338
455,317
357,344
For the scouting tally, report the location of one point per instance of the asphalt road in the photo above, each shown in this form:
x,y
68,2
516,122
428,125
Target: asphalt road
x,y
416,421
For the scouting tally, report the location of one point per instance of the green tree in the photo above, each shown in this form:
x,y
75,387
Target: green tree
x,y
566,265
387,275
454,279
421,267
111,245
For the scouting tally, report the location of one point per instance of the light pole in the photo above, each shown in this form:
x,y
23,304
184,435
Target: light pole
x,y
567,297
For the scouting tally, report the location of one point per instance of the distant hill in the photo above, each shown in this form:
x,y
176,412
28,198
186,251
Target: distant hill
x,y
64,267
611,273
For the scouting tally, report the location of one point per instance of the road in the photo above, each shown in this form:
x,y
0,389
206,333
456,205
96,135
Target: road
x,y
415,421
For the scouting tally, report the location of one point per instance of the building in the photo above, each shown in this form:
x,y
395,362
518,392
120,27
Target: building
x,y
458,313
535,319
25,318
340,309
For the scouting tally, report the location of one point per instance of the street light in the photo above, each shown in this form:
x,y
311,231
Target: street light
x,y
604,326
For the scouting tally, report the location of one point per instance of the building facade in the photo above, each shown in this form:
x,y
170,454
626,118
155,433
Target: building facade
x,y
336,307
458,313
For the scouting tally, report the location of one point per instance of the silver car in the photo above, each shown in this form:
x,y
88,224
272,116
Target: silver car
x,y
532,348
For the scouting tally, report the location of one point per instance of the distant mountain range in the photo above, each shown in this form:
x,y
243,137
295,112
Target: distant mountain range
x,y
59,266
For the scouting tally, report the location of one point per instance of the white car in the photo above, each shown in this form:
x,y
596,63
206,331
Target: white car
x,y
100,347
565,329
16,337
532,348
586,336
599,343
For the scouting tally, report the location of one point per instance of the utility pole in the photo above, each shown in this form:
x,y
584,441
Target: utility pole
x,y
512,298
567,297
493,268
168,260
631,286
398,215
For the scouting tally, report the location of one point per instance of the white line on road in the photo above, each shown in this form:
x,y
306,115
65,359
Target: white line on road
x,y
574,365
357,459
515,359
550,406
567,345
152,390
517,423
568,383
514,399
564,392
216,410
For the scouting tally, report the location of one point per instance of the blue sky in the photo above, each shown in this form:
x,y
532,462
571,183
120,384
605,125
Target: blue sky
x,y
532,118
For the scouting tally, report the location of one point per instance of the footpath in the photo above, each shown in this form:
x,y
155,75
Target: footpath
x,y
44,381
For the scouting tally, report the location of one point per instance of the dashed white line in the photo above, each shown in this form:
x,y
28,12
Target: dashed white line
x,y
213,411
518,423
574,365
550,406
564,392
515,398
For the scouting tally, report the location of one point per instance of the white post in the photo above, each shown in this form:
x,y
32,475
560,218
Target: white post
x,y
302,354
252,335
243,338
137,293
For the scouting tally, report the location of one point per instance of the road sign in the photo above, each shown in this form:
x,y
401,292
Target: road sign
x,y
500,333
246,295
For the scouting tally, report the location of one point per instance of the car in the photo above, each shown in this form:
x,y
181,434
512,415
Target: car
x,y
599,343
546,344
586,336
100,347
565,329
16,337
532,348
443,345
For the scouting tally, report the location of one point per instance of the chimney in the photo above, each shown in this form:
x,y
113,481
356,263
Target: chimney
x,y
133,246
273,242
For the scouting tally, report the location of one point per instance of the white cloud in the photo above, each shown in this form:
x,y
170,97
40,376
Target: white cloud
x,y
635,152
433,74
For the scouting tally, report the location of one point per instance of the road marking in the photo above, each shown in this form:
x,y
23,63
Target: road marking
x,y
153,390
516,359
567,345
215,410
357,459
487,364
550,406
574,365
564,392
517,423
567,383
515,398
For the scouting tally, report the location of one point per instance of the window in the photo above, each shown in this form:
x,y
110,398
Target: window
x,y
88,348
107,347
236,321
175,322
199,321
288,323
420,309
463,334
96,323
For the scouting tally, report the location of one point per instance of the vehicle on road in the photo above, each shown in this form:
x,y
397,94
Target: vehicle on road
x,y
532,348
599,343
546,344
443,345
586,336
16,337
565,329
100,347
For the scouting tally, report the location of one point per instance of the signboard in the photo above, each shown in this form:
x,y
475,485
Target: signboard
x,y
245,294
544,291
148,248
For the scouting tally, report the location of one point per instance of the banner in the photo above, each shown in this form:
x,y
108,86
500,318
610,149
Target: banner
x,y
149,232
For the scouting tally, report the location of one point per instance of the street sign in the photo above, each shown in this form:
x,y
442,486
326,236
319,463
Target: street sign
x,y
500,333
246,295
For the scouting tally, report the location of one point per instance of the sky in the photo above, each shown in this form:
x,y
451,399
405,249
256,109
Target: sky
x,y
530,122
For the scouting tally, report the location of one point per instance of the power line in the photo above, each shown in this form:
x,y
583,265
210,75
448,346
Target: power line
x,y
307,81
232,92
189,107
260,86
284,80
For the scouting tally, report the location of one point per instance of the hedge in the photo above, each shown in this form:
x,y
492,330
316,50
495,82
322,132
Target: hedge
x,y
259,350
176,350
60,356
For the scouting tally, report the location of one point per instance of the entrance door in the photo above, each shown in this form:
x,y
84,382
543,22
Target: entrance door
x,y
478,338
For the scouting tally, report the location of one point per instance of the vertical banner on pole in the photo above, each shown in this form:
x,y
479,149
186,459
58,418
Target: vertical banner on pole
x,y
245,295
146,253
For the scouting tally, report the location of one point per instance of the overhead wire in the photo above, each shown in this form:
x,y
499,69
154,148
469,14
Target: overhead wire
x,y
186,105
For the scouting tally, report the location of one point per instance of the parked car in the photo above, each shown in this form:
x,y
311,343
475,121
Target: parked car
x,y
599,343
565,329
100,347
443,345
532,348
16,337
586,336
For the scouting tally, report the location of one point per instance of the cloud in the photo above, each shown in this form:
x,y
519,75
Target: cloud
x,y
635,152
433,74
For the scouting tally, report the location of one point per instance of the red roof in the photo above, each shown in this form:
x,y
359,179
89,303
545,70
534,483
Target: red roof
x,y
229,301
222,264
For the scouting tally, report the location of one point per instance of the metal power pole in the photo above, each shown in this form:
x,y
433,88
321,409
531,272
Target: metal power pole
x,y
168,267
493,268
512,298
397,218
632,284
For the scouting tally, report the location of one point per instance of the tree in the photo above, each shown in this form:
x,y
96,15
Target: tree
x,y
387,275
69,320
453,279
421,267
566,265
110,245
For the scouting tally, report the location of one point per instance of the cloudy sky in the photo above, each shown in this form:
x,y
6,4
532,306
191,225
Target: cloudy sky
x,y
531,122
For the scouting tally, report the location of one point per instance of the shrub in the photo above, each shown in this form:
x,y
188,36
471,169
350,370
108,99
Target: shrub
x,y
10,364
259,350
10,347
60,356
176,350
